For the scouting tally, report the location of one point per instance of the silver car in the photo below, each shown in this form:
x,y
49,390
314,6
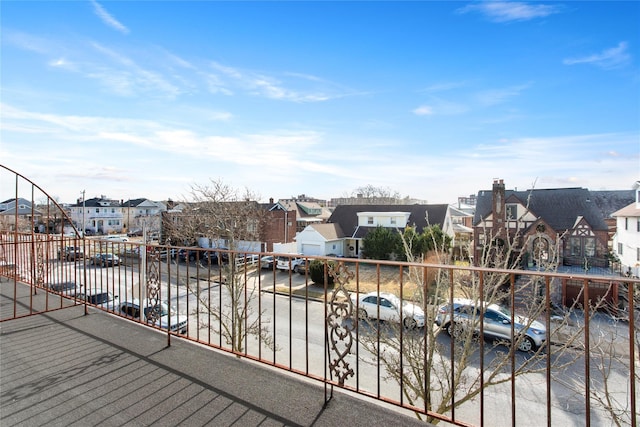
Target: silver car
x,y
496,323
388,307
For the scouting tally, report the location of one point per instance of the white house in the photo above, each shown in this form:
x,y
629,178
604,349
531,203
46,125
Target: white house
x,y
99,214
626,241
142,213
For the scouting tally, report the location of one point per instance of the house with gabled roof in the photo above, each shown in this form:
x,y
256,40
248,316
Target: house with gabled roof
x,y
626,241
98,214
307,211
142,213
349,224
542,219
22,210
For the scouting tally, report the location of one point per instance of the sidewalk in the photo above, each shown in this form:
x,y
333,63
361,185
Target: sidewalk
x,y
64,368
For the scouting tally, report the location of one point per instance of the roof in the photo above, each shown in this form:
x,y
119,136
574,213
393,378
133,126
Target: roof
x,y
559,207
97,203
304,209
611,201
632,210
24,207
329,231
347,216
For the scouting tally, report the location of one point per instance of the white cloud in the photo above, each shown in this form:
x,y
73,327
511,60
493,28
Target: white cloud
x,y
499,96
614,57
108,19
498,11
423,110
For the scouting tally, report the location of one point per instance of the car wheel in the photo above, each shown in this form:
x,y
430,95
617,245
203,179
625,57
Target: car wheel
x,y
526,345
362,314
410,323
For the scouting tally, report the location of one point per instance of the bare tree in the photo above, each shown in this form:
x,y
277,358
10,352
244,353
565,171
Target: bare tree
x,y
441,377
229,223
370,194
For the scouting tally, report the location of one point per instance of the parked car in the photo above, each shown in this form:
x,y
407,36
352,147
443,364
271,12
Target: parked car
x,y
157,314
386,306
266,262
135,233
188,254
116,238
70,253
289,263
98,297
65,288
105,259
496,323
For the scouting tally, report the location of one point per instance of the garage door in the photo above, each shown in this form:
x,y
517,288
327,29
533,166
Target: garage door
x,y
308,249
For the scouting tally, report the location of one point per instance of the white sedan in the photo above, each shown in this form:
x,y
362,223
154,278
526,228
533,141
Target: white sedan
x,y
388,307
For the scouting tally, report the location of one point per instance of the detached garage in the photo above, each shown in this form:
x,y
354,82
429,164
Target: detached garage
x,y
311,249
320,240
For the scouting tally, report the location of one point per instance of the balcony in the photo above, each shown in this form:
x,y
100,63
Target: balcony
x,y
271,346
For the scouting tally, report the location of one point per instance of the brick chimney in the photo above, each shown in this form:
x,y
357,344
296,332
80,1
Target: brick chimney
x,y
499,207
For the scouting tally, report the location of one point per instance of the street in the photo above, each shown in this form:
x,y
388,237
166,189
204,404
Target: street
x,y
296,327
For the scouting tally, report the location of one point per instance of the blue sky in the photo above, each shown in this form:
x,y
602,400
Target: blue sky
x,y
430,99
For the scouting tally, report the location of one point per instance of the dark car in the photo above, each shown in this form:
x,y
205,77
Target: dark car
x,y
188,254
135,233
214,257
70,253
105,260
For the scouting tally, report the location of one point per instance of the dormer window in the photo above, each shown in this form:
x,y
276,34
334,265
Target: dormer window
x,y
370,220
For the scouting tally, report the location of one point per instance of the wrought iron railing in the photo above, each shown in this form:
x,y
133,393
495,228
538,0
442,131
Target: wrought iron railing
x,y
565,350
583,370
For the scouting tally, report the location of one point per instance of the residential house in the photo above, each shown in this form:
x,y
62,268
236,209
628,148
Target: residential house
x,y
139,214
349,224
458,224
28,217
307,210
626,241
539,220
99,215
279,226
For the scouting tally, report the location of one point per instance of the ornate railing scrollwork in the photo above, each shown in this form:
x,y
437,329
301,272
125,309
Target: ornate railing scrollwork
x,y
340,334
154,312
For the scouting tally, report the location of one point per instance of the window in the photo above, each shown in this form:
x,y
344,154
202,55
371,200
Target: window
x,y
370,220
97,210
512,211
575,248
492,316
619,248
393,221
638,254
626,223
638,226
590,247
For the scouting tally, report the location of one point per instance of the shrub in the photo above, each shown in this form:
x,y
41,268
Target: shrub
x,y
316,272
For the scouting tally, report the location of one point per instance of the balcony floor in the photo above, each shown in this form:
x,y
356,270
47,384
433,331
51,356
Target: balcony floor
x,y
63,368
